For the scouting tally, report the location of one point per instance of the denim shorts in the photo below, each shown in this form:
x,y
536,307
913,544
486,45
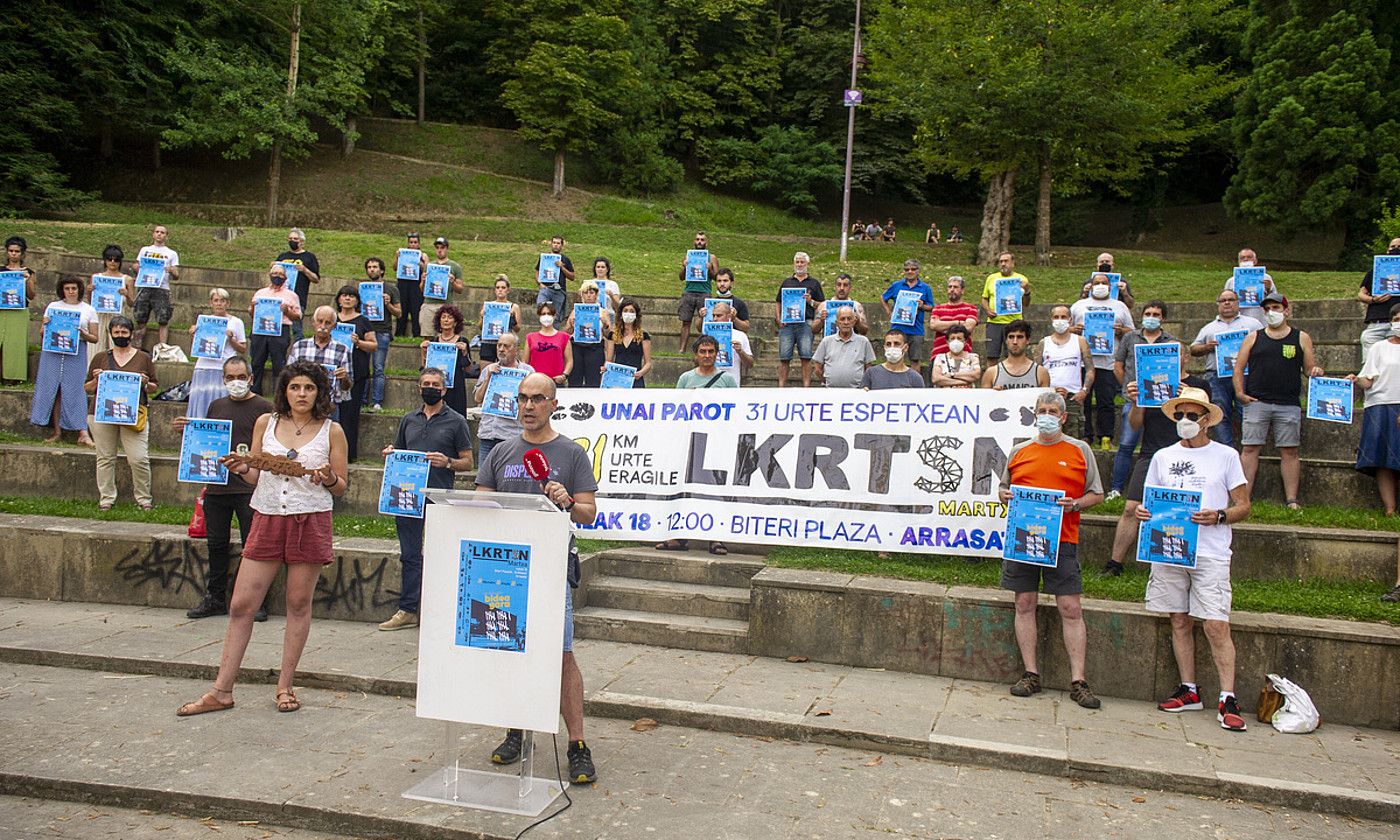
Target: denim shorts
x,y
795,335
568,619
1286,421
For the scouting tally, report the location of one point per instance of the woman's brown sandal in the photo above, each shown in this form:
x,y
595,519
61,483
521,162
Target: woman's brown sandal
x,y
291,704
210,702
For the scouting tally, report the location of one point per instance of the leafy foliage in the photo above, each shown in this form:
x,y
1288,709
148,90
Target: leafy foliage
x,y
788,165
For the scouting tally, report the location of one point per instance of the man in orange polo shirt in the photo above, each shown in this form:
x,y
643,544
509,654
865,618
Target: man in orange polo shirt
x,y
1052,461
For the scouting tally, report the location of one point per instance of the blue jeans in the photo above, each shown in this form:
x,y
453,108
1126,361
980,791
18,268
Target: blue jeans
x,y
797,336
1222,393
483,448
558,299
411,562
1123,459
377,362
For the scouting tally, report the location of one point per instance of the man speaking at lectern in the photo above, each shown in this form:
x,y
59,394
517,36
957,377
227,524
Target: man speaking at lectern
x,y
571,486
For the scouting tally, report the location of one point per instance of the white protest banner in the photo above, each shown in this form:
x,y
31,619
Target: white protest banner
x,y
902,470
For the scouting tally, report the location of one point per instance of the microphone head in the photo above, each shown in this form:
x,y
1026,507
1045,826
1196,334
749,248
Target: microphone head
x,y
537,465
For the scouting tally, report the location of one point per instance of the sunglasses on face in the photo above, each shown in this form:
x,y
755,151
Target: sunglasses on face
x,y
1186,415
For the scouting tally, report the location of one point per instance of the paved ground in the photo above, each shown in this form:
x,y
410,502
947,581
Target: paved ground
x,y
39,819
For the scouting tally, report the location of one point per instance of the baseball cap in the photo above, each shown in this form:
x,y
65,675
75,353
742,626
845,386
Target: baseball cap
x,y
441,240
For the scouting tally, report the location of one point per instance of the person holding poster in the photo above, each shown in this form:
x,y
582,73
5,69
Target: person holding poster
x,y
207,384
1248,259
843,356
1066,357
272,349
409,266
331,355
498,316
549,350
222,502
291,525
496,426
555,289
1122,291
739,351
572,487
957,367
450,329
610,292
590,328
362,345
308,271
913,332
111,289
1378,455
1100,417
436,429
1378,301
1052,461
1203,592
427,314
631,345
894,372
996,324
59,401
1125,370
956,310
1222,338
14,313
388,305
1277,358
133,438
695,288
154,299
798,335
826,313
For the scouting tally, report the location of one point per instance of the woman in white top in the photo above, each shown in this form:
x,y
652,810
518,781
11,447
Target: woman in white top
x,y
611,293
1379,452
291,526
59,400
959,367
207,383
112,257
1066,356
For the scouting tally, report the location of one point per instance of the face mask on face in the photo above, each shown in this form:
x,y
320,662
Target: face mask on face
x,y
1105,267
1187,429
1060,325
1395,327
276,279
292,244
1273,317
1100,291
546,320
1047,424
894,354
629,317
1246,263
238,388
1152,323
956,345
121,340
1394,249
431,396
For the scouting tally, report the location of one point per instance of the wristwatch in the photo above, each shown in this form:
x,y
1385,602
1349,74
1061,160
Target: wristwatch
x,y
1220,517
1074,506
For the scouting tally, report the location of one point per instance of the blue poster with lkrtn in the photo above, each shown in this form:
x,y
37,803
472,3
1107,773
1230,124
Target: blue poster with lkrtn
x,y
493,595
203,443
436,280
1033,526
1114,278
906,308
1331,399
548,273
793,305
106,294
407,265
401,489
13,293
501,392
697,266
618,376
61,332
1169,536
1385,274
372,300
267,316
443,356
495,320
210,333
150,272
118,398
588,323
723,333
833,308
344,333
1008,294
1227,349
1158,372
293,270
710,304
1098,331
1249,285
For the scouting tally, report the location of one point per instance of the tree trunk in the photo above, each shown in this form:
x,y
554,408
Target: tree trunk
x,y
558,172
155,152
347,138
996,217
274,183
274,164
422,70
1042,208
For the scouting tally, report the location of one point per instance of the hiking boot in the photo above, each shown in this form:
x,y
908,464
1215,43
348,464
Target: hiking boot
x,y
1080,693
581,769
260,614
1229,715
1393,595
509,750
400,620
1111,569
1028,684
1184,700
207,607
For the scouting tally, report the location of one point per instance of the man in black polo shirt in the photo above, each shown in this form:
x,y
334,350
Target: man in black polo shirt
x,y
308,272
442,433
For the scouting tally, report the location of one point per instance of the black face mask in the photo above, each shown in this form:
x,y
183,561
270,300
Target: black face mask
x,y
121,340
291,244
431,396
1393,251
1106,267
276,279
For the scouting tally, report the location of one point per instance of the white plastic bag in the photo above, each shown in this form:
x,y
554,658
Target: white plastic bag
x,y
1298,715
168,353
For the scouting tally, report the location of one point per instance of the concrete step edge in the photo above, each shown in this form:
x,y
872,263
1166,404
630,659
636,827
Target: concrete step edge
x,y
726,627
620,583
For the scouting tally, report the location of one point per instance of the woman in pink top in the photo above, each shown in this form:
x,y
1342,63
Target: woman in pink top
x,y
548,351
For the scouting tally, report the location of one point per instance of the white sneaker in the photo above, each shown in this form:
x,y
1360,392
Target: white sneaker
x,y
400,620
1113,494
376,408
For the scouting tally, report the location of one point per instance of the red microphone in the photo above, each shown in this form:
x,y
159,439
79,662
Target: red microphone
x,y
537,466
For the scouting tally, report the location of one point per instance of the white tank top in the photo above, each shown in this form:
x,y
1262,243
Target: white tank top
x,y
280,495
1064,363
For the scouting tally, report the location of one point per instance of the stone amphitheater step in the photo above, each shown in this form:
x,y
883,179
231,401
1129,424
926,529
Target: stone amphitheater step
x,y
718,635
699,600
688,567
1324,481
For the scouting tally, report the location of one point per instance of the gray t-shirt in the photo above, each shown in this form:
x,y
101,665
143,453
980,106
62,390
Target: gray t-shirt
x,y
843,362
504,468
496,427
880,378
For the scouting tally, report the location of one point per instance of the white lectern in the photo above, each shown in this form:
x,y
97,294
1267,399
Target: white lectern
x,y
490,643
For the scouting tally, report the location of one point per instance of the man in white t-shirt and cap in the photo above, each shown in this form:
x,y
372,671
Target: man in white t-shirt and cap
x,y
1203,592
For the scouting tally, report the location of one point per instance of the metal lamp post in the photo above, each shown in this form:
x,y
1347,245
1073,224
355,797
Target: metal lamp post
x,y
852,99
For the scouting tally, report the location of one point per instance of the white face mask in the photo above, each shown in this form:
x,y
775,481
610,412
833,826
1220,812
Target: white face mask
x,y
238,388
546,320
1395,327
1061,325
1099,291
629,317
1186,429
1246,263
1273,317
894,354
1047,424
956,345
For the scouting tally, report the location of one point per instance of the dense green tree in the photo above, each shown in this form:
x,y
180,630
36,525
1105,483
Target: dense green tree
x,y
787,165
1317,127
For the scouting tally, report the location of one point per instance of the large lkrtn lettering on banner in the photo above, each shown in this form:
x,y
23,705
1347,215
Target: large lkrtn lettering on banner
x,y
908,470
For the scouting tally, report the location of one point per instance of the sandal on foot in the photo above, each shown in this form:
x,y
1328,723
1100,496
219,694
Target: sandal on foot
x,y
208,703
717,547
673,545
1292,504
291,704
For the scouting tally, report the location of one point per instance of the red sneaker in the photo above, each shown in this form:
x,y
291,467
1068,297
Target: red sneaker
x,y
1229,715
1184,700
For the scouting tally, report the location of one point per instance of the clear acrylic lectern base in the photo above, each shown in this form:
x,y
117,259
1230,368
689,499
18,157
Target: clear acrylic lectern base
x,y
520,792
